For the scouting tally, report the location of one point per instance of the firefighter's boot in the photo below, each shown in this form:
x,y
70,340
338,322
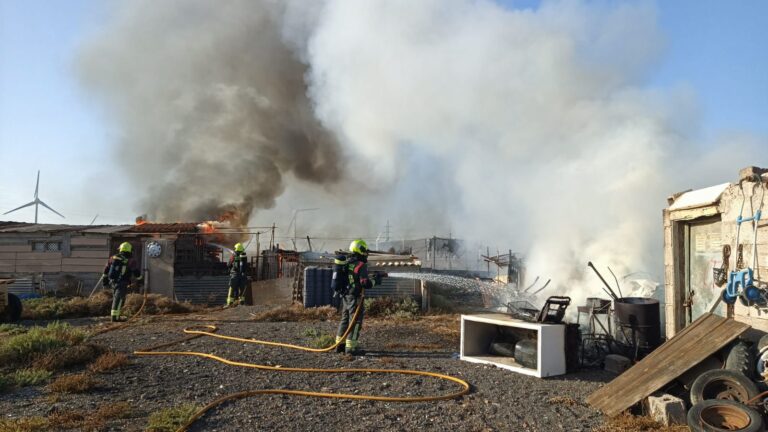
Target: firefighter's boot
x,y
341,345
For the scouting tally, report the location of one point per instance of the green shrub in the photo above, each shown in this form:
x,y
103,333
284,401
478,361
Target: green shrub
x,y
11,329
322,341
30,377
170,419
38,340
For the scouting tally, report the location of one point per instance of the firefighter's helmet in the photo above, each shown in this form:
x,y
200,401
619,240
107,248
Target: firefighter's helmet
x,y
126,247
239,247
359,247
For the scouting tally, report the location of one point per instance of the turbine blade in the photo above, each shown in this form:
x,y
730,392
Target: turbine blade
x,y
19,208
46,206
37,184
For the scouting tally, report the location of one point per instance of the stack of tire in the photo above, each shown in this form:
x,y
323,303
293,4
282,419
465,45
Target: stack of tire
x,y
722,399
317,287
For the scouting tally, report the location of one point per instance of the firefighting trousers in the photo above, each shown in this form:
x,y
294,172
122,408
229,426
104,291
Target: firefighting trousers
x,y
118,298
237,285
348,305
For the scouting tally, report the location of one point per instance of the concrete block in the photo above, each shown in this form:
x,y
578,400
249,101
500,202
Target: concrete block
x,y
667,409
617,364
751,171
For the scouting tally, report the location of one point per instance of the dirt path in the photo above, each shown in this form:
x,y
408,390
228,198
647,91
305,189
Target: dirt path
x,y
500,400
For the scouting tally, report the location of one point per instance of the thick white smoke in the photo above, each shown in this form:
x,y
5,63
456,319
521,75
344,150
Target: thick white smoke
x,y
541,117
532,129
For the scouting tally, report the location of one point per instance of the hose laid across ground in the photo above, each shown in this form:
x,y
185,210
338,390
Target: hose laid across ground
x,y
197,332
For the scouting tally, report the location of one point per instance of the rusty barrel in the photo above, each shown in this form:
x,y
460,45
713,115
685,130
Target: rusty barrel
x,y
638,322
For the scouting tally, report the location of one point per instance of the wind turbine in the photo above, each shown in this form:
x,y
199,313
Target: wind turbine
x,y
36,202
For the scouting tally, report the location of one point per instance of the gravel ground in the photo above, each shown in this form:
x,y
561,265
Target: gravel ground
x,y
499,399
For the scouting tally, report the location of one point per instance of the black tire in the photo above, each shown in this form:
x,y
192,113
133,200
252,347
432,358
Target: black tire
x,y
741,358
722,384
762,343
723,416
14,308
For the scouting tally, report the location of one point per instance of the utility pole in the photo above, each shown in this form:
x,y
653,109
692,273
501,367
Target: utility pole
x,y
387,232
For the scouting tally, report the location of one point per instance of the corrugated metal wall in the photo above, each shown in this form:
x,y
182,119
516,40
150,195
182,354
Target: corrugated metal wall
x,y
210,290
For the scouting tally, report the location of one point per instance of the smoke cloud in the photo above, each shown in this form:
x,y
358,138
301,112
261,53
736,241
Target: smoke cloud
x,y
533,129
211,104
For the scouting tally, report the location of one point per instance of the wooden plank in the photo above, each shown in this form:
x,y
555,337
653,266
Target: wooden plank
x,y
7,255
51,261
84,261
688,348
38,255
81,269
103,253
48,268
88,241
660,355
694,213
16,248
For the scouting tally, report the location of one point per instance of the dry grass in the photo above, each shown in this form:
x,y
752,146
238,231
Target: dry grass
x,y
630,423
49,308
95,420
563,400
296,312
65,357
108,361
24,424
77,383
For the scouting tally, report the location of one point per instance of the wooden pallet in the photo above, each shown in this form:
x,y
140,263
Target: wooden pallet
x,y
688,348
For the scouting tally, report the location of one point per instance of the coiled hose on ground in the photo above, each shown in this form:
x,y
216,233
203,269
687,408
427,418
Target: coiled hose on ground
x,y
210,331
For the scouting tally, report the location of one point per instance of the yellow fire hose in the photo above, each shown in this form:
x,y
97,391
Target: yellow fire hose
x,y
196,331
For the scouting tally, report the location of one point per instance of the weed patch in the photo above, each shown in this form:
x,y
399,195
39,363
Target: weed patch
x,y
77,383
108,361
23,347
170,419
11,329
296,312
24,424
50,308
322,341
30,377
65,357
387,307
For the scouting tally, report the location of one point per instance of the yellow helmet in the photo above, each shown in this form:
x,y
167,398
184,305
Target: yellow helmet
x,y
359,246
239,247
126,247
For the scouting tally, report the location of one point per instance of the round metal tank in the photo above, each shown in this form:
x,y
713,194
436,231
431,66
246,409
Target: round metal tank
x,y
638,322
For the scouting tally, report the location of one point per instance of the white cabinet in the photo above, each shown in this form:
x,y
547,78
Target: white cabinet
x,y
479,331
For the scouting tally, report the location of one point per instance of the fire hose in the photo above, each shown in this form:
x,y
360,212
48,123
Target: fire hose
x,y
197,331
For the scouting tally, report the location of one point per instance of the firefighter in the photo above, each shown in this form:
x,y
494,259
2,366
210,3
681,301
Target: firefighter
x,y
120,271
356,272
238,276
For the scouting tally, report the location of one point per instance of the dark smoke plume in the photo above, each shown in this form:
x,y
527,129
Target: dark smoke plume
x,y
211,105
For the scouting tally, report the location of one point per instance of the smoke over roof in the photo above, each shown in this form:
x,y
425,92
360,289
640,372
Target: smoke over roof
x,y
535,129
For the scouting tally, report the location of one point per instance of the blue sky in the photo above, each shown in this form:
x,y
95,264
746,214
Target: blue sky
x,y
715,48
